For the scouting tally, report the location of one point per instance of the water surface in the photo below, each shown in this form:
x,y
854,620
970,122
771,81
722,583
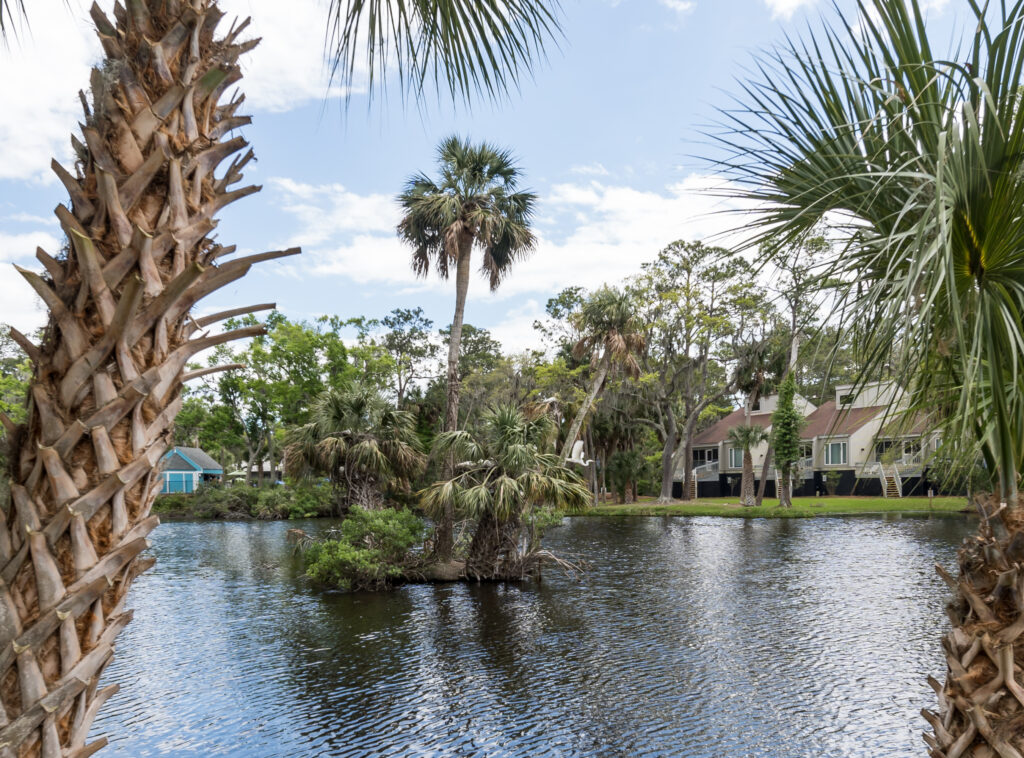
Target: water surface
x,y
695,637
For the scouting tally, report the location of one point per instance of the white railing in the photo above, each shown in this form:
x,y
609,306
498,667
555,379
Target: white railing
x,y
706,471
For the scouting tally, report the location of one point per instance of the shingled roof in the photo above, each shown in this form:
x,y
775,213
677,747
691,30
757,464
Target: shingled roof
x,y
830,421
719,431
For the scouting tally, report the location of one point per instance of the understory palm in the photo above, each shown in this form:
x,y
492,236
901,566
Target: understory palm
x,y
919,160
360,442
475,202
612,334
502,476
747,438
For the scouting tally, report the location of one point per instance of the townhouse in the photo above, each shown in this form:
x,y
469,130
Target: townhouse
x,y
852,444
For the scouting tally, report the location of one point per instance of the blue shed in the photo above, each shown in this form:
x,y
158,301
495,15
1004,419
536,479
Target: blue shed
x,y
185,468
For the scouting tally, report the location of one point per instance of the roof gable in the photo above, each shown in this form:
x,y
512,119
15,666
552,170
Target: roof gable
x,y
173,461
199,458
719,431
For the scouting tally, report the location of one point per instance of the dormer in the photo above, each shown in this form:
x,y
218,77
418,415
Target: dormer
x,y
869,395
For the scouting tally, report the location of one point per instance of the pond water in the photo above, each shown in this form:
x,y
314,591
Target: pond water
x,y
694,637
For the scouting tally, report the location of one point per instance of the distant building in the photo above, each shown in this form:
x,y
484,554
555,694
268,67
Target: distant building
x,y
852,435
185,468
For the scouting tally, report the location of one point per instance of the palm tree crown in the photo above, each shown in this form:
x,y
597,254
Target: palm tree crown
x,y
358,440
747,437
475,201
610,326
504,469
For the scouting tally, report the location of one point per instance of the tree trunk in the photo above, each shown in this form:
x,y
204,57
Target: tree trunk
x,y
107,378
581,414
785,501
747,489
444,540
765,467
668,461
981,706
491,548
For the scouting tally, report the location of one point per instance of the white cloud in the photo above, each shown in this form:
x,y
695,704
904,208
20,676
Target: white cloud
x,y
786,8
590,169
515,332
19,306
48,62
326,210
604,233
681,7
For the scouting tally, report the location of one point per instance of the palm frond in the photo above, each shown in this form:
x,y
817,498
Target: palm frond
x,y
469,47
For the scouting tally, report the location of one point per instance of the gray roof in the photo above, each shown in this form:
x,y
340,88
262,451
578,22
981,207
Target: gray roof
x,y
197,455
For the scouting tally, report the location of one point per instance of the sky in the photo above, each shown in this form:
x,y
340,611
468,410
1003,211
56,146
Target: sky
x,y
607,131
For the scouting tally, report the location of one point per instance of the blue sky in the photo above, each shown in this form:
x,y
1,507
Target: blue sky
x,y
606,132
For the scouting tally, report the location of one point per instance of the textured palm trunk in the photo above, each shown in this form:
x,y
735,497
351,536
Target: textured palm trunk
x,y
444,541
108,374
747,487
981,706
493,553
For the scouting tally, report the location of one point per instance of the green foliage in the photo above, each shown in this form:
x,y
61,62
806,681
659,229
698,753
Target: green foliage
x,y
477,201
787,422
359,442
505,470
832,479
372,549
915,155
625,467
214,500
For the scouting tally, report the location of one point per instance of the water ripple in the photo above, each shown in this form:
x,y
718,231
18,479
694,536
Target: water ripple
x,y
692,636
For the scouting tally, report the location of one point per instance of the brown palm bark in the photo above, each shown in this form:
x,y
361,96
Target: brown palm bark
x,y
108,374
981,706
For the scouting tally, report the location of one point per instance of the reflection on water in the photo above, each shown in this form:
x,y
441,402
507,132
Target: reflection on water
x,y
691,636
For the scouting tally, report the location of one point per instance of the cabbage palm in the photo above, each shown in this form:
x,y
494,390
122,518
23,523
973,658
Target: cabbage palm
x,y
359,441
919,159
475,203
150,176
612,334
747,438
501,474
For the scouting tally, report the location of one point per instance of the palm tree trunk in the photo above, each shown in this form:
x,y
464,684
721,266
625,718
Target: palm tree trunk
x,y
747,489
982,702
444,540
107,377
595,388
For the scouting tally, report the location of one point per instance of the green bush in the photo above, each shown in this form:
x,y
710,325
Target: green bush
x,y
214,500
369,551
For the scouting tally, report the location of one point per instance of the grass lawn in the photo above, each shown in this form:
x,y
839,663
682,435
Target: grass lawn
x,y
803,507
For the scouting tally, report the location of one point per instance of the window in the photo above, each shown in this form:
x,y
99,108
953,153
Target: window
x,y
806,451
881,448
845,399
735,457
835,453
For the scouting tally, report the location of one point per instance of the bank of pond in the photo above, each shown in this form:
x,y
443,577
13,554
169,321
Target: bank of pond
x,y
383,547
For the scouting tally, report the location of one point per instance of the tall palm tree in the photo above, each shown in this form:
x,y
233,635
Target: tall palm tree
x,y
108,373
612,333
475,203
747,438
919,158
500,476
360,442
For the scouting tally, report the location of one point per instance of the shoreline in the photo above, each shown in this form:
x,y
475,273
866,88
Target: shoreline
x,y
803,507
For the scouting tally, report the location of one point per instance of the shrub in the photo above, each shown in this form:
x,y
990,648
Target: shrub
x,y
370,551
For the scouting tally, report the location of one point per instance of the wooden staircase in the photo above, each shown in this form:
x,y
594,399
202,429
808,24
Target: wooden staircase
x,y
693,486
892,487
